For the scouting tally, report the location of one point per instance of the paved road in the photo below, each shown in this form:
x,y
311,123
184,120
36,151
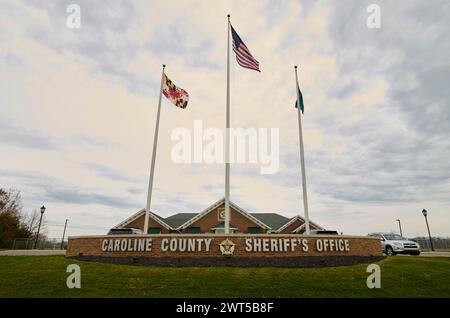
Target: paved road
x,y
430,254
440,254
32,252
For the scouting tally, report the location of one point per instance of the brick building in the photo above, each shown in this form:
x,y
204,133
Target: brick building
x,y
211,220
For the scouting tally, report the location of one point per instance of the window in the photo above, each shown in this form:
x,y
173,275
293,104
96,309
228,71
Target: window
x,y
222,231
394,237
254,230
154,230
193,229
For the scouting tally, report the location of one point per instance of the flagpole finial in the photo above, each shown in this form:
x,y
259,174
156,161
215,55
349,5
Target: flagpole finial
x,y
228,15
164,65
295,66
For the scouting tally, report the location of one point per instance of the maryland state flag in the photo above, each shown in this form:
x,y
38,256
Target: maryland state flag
x,y
178,96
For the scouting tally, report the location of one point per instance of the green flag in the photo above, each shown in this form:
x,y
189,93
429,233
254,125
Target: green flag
x,y
302,107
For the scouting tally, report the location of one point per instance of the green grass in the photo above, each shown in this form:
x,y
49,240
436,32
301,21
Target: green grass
x,y
45,276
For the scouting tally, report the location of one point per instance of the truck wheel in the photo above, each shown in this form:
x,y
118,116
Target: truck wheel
x,y
389,251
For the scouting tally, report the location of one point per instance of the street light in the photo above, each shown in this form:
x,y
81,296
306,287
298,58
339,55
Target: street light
x,y
424,212
39,227
400,226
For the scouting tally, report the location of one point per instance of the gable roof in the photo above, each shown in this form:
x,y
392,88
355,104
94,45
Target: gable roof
x,y
301,227
292,220
140,213
274,220
178,219
270,221
217,204
298,229
295,218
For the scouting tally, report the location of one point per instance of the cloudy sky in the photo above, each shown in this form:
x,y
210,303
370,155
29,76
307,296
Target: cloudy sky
x,y
78,109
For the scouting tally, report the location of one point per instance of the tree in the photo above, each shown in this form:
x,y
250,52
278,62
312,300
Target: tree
x,y
16,224
31,224
11,225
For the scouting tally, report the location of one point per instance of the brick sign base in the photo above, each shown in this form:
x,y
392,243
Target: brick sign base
x,y
226,250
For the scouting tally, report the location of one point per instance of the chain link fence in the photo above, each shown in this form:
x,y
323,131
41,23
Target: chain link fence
x,y
28,244
438,242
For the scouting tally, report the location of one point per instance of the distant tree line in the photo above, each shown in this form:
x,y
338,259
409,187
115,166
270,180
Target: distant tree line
x,y
15,223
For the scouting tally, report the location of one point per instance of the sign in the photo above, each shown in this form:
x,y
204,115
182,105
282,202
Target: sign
x,y
227,247
238,247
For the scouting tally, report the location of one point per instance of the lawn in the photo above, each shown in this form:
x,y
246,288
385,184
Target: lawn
x,y
45,276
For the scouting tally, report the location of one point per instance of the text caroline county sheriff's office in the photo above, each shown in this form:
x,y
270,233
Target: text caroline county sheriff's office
x,y
204,245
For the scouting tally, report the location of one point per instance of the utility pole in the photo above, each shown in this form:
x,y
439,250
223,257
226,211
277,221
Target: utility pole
x,y
64,234
400,226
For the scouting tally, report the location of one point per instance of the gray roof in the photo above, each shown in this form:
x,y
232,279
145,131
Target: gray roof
x,y
274,220
178,219
159,218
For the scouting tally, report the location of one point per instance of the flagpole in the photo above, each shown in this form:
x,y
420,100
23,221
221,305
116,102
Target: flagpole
x,y
302,156
227,144
152,168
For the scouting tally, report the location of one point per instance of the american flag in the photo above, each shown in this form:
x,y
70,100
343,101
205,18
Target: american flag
x,y
243,55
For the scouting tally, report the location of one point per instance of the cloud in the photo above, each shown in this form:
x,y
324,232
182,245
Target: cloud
x,y
342,91
49,189
25,137
400,50
135,190
91,141
83,196
375,127
392,150
108,173
29,137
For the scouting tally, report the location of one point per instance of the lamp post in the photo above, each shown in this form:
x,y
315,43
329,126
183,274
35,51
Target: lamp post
x,y
400,226
39,227
424,212
64,233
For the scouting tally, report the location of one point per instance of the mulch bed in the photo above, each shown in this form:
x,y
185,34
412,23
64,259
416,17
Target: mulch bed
x,y
289,262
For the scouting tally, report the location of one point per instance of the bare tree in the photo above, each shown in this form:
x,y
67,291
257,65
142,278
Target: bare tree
x,y
10,202
31,223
